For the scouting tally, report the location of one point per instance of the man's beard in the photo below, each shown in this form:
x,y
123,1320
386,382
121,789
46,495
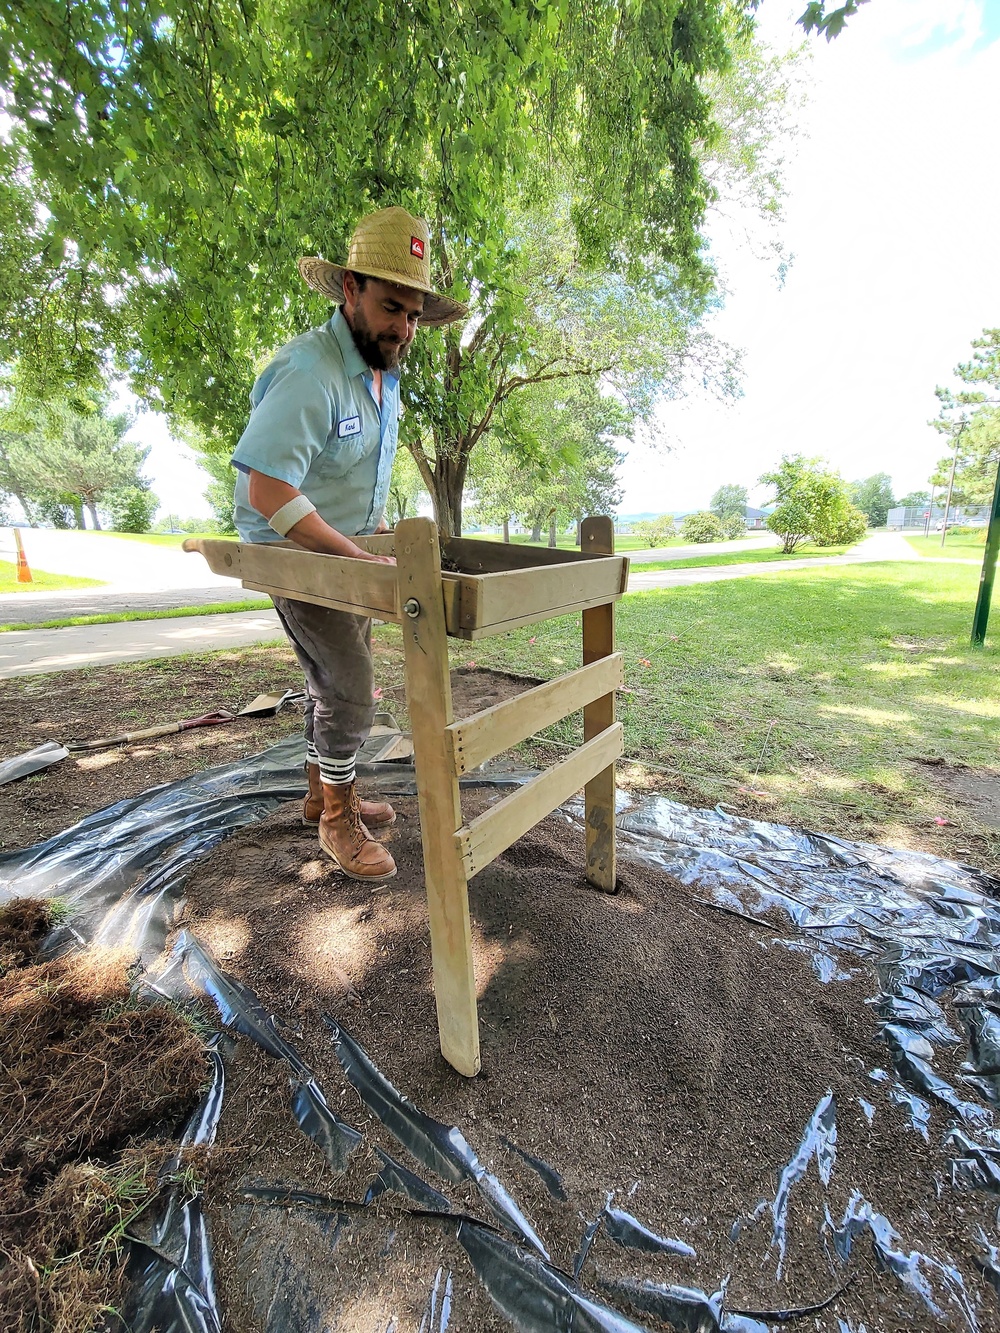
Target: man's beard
x,y
378,353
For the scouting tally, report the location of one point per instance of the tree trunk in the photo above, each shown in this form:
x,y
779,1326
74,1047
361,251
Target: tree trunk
x,y
506,529
552,529
536,528
449,483
78,514
28,507
579,531
93,516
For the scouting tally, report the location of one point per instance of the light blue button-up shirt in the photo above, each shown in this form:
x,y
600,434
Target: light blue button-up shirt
x,y
316,425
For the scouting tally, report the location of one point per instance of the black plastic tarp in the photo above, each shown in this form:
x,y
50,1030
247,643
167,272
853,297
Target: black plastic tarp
x,y
920,927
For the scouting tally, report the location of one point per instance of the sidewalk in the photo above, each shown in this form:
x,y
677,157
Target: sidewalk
x,y
32,652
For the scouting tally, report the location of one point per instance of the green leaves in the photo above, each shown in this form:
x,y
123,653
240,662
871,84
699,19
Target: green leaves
x,y
189,155
816,17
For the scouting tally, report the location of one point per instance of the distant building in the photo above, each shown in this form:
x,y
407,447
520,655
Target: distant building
x,y
757,518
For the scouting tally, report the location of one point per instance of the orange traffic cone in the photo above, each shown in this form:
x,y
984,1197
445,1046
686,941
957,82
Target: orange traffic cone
x,y
23,570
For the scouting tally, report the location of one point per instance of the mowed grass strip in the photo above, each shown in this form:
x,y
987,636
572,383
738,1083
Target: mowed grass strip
x,y
808,697
957,546
172,539
41,581
168,613
751,557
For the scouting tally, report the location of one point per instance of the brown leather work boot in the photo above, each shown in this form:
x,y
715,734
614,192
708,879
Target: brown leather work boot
x,y
344,837
374,814
312,806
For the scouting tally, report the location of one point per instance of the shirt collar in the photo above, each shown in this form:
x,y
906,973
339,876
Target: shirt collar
x,y
354,362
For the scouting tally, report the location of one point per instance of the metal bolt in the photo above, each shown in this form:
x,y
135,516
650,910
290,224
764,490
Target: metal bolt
x,y
412,608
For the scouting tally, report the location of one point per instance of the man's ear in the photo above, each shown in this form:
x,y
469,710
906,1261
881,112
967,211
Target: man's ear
x,y
350,290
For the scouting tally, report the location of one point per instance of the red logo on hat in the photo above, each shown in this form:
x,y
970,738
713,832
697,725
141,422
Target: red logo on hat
x,y
416,247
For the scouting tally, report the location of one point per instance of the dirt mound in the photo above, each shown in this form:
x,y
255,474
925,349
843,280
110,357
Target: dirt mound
x,y
91,1086
642,1044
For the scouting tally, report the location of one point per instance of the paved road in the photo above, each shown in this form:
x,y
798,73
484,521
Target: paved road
x,y
136,576
25,652
31,652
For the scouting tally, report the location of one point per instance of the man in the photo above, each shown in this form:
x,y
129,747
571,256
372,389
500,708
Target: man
x,y
314,464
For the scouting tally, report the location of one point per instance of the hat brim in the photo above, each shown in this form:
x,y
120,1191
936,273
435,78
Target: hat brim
x,y
322,276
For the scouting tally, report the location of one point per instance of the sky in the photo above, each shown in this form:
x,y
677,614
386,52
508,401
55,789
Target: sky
x,y
892,219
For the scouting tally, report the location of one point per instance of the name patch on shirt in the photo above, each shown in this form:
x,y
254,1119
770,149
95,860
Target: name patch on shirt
x,y
350,426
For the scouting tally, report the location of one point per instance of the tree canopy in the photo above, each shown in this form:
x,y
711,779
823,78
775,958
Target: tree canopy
x,y
63,458
873,496
729,501
180,158
971,421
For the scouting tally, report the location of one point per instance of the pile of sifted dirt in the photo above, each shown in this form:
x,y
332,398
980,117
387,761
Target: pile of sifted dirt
x,y
643,1044
91,1087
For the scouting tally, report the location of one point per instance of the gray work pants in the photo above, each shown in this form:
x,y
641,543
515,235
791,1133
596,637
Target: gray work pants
x,y
334,651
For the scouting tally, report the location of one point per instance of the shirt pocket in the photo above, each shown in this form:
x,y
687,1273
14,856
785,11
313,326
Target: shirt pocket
x,y
344,452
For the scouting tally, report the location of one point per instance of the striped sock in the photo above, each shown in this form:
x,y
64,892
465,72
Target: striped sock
x,y
337,772
312,754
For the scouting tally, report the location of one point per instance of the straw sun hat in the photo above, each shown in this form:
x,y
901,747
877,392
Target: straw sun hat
x,y
394,246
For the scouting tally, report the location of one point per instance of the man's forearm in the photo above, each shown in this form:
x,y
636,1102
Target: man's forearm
x,y
315,534
268,496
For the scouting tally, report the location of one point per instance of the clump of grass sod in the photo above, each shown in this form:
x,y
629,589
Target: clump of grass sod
x,y
89,1078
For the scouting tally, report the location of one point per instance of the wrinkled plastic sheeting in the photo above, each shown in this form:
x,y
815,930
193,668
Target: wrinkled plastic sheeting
x,y
122,870
170,1279
437,1313
927,925
550,1178
628,1232
930,927
940,1286
683,1308
533,1295
441,1148
820,1142
192,971
32,761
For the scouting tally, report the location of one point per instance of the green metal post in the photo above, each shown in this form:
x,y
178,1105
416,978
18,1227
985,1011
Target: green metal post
x,y
980,619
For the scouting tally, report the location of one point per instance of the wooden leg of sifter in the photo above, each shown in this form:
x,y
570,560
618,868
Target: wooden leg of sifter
x,y
428,692
598,536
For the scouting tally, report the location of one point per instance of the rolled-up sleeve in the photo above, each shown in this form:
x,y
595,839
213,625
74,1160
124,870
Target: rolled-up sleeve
x,y
289,426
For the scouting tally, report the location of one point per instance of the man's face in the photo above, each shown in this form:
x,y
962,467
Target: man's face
x,y
383,319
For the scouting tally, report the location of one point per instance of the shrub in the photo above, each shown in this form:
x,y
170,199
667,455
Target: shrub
x,y
849,526
655,531
702,527
734,526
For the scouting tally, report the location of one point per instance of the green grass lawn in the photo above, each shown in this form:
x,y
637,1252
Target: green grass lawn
x,y
567,543
40,580
769,555
960,547
158,538
114,617
819,689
